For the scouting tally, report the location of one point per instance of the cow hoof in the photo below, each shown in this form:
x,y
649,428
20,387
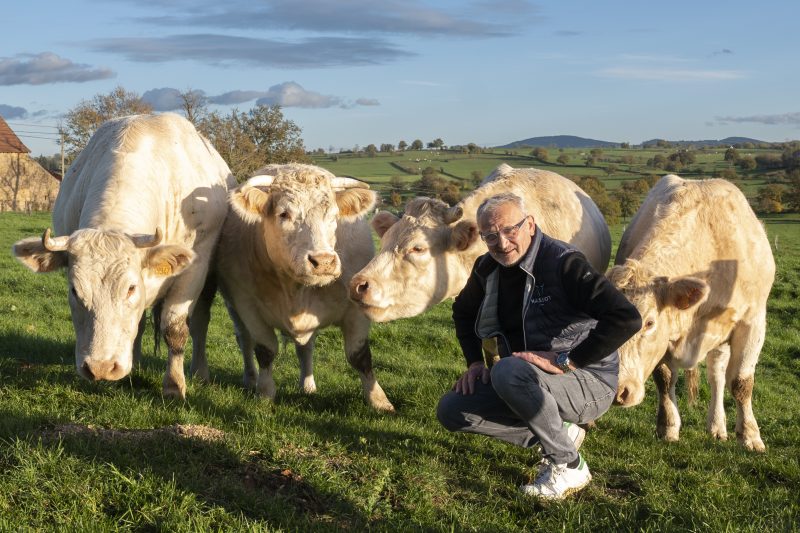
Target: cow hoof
x,y
384,406
174,392
753,444
308,385
266,388
669,434
250,381
717,434
202,375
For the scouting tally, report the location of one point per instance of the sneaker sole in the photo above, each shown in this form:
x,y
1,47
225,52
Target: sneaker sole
x,y
567,493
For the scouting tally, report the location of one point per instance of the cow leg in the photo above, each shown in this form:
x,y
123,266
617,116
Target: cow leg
x,y
356,345
246,347
265,354
305,355
198,329
746,343
668,420
175,333
716,363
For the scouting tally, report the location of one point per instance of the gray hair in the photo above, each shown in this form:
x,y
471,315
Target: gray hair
x,y
493,202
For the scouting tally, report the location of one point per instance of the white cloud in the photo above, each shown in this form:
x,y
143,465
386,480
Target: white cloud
x,y
47,67
785,118
291,94
9,112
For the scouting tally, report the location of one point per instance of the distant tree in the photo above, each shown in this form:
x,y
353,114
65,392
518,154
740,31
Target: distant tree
x,y
402,145
673,165
541,154
627,160
194,105
249,140
597,191
685,157
628,201
661,143
473,148
728,174
591,161
371,150
610,169
416,144
770,198
658,161
651,180
625,146
791,155
52,163
562,159
436,143
792,193
596,153
82,121
388,148
769,162
747,163
731,154
395,199
476,177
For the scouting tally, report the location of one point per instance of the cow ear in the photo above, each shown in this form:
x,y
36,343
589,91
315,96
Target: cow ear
x,y
32,253
249,202
463,235
683,293
355,202
382,221
167,260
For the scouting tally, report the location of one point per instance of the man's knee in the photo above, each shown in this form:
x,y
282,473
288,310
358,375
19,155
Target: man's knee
x,y
509,372
449,413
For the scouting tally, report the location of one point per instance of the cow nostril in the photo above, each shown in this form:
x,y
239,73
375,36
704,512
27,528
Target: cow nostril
x,y
622,395
313,261
87,370
362,287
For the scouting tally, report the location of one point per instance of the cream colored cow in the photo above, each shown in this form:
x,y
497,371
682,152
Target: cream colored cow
x,y
293,238
697,264
138,215
427,254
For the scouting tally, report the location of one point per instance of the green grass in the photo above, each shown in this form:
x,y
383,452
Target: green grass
x,y
327,462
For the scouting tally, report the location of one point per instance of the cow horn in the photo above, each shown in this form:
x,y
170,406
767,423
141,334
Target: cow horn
x,y
147,241
59,244
453,214
261,180
340,183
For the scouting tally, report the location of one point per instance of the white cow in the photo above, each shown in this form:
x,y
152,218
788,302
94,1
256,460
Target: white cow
x,y
138,215
293,238
697,264
427,254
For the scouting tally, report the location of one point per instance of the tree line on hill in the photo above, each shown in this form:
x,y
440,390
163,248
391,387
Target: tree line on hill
x,y
250,139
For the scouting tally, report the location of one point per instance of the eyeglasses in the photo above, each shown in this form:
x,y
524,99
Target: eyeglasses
x,y
509,232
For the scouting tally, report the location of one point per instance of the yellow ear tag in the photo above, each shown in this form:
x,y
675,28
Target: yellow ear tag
x,y
163,269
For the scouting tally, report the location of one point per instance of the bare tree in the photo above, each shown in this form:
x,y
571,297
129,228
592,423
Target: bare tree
x,y
194,106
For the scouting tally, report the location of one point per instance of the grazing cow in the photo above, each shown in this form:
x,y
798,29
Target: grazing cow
x,y
697,264
427,254
138,215
293,238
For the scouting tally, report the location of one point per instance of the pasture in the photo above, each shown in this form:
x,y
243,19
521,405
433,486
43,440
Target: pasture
x,y
117,456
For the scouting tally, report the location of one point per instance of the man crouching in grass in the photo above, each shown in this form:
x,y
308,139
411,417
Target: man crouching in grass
x,y
557,323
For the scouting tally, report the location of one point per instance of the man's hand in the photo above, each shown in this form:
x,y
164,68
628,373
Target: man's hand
x,y
544,360
466,383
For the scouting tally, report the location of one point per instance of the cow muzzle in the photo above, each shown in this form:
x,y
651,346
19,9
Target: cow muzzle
x,y
107,370
629,394
324,264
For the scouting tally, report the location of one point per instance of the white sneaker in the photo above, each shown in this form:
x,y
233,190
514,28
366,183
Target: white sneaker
x,y
576,433
554,482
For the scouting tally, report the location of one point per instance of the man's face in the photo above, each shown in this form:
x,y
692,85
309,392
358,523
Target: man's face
x,y
506,250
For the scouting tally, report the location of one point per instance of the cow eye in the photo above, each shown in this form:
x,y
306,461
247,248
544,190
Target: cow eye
x,y
649,323
284,215
419,249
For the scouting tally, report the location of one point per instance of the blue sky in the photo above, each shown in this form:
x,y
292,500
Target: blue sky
x,y
355,72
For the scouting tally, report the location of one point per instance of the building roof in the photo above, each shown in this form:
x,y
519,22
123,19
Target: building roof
x,y
9,142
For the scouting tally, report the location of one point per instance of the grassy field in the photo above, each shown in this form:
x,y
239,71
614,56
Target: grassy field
x,y
80,456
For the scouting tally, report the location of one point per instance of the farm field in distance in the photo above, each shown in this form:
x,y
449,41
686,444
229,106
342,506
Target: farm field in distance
x,y
76,455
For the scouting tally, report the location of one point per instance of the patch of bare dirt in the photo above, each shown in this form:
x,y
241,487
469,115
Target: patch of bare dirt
x,y
190,431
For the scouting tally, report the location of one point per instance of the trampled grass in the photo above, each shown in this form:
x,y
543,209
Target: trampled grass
x,y
83,456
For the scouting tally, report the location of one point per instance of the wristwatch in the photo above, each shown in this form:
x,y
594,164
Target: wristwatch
x,y
562,361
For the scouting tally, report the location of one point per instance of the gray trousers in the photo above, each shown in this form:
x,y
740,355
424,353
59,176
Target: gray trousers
x,y
525,405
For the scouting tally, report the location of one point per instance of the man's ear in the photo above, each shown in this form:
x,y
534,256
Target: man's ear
x,y
463,235
355,202
686,292
382,221
167,260
249,202
32,253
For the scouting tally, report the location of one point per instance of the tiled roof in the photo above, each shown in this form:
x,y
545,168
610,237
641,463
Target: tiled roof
x,y
9,142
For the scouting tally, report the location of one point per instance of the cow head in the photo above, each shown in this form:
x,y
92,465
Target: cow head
x,y
110,275
667,308
298,208
421,262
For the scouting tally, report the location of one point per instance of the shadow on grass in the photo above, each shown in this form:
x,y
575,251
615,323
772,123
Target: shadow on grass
x,y
196,459
34,349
